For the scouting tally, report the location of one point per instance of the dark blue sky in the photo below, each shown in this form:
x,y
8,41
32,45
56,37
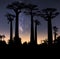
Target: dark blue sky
x,y
25,20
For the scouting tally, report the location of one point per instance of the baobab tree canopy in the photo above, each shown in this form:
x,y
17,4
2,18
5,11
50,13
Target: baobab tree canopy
x,y
32,6
48,13
55,28
16,6
37,22
10,17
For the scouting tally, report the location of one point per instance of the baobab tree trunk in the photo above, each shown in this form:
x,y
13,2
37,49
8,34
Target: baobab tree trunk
x,y
32,29
49,32
11,31
35,33
17,26
17,40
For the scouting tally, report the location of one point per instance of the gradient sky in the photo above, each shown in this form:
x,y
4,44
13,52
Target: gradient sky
x,y
24,26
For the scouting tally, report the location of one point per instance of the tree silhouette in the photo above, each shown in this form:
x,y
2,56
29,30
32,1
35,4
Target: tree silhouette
x,y
55,32
36,24
31,8
10,19
17,8
48,14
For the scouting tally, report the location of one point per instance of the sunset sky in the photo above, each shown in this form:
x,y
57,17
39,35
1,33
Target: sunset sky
x,y
24,20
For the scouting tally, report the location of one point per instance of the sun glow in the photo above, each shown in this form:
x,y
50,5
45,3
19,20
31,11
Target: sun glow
x,y
26,38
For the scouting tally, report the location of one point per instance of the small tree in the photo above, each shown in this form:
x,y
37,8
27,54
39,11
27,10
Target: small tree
x,y
55,32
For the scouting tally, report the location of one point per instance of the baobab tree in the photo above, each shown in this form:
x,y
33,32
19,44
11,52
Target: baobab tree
x,y
17,8
48,14
36,24
10,19
55,32
31,8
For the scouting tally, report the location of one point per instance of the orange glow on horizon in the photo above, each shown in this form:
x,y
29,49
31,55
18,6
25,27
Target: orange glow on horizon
x,y
26,38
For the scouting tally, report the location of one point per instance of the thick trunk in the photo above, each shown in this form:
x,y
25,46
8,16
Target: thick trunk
x,y
11,31
49,32
17,26
32,30
17,40
35,34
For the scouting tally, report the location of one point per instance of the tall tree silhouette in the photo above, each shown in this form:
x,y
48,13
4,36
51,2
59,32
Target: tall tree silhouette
x,y
48,14
36,24
10,18
31,8
55,32
17,8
